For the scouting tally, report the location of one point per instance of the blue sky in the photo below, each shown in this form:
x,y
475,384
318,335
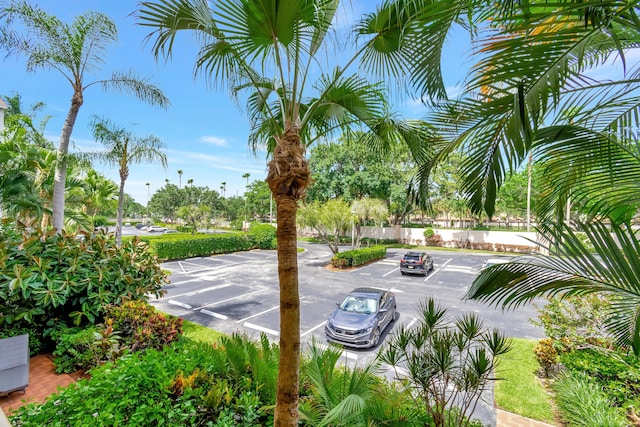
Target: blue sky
x,y
205,133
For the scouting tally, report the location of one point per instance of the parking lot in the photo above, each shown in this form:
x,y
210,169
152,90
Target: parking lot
x,y
239,292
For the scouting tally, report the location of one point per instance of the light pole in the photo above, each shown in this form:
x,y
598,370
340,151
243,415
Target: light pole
x,y
148,187
246,175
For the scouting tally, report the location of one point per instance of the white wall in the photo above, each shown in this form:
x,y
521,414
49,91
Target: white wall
x,y
496,240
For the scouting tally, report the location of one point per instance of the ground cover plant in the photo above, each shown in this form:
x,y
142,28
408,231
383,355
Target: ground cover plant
x,y
230,381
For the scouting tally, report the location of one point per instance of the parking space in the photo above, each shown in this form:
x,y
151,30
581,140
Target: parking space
x,y
239,292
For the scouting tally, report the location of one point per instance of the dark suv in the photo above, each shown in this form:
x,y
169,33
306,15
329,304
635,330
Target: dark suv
x,y
416,263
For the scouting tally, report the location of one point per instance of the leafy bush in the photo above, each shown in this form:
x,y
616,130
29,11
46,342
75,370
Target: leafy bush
x,y
75,350
100,221
618,375
181,385
140,326
358,256
49,276
445,361
178,247
546,355
582,403
575,321
230,383
428,233
263,235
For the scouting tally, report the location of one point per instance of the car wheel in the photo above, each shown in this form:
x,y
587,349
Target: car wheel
x,y
375,339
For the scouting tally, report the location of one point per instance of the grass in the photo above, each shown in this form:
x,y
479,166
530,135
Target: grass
x,y
198,332
519,390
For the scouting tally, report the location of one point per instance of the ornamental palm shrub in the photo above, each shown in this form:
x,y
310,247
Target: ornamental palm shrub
x,y
445,361
47,279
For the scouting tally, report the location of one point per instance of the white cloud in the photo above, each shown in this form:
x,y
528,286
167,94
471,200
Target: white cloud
x,y
213,140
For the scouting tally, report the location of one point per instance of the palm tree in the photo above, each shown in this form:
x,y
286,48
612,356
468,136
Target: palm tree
x,y
223,188
242,43
579,129
180,179
74,50
123,149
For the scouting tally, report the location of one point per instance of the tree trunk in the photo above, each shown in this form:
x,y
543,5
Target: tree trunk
x,y
288,178
60,177
120,211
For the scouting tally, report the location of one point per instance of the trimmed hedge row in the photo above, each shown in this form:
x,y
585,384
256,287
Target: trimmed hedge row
x,y
167,247
188,248
358,256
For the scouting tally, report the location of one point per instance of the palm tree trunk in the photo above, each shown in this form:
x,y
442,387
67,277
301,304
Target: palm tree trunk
x,y
60,177
120,212
288,178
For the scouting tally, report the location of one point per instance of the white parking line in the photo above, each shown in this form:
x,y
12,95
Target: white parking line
x,y
460,269
180,304
227,300
410,324
431,275
199,291
312,329
262,312
213,314
259,314
392,271
261,329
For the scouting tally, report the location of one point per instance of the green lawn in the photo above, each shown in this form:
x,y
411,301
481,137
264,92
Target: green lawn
x,y
519,390
199,333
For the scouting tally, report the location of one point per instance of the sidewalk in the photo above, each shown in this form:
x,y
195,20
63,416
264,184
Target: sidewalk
x,y
43,381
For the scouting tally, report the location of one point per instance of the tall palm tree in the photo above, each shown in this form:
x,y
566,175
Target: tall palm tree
x,y
74,50
180,179
533,90
223,188
123,149
270,50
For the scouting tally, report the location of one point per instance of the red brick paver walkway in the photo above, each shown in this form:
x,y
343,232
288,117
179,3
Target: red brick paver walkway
x,y
43,381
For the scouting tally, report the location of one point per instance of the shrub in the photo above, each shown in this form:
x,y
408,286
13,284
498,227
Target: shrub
x,y
428,233
75,350
546,355
358,256
50,276
445,362
100,221
618,375
178,247
140,326
263,236
582,403
574,322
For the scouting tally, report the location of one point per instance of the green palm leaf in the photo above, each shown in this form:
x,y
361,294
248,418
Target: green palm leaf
x,y
612,268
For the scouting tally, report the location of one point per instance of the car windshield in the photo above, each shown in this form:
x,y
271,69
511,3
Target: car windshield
x,y
355,304
412,257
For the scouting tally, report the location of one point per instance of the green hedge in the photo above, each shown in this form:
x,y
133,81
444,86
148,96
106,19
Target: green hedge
x,y
178,246
199,246
357,257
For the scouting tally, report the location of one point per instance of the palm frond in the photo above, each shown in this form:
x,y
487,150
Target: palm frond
x,y
404,41
595,169
611,267
132,84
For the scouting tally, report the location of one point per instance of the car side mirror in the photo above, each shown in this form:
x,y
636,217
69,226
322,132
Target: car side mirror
x,y
338,304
